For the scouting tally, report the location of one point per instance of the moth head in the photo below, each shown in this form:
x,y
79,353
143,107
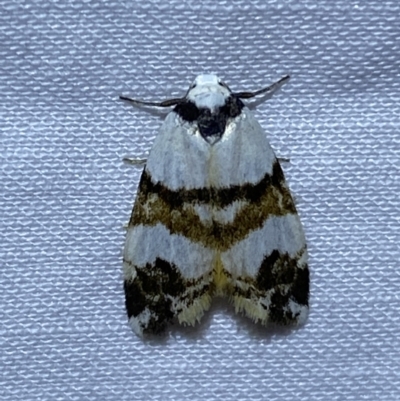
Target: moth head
x,y
208,91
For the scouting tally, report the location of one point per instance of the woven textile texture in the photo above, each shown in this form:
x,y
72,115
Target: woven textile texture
x,y
65,195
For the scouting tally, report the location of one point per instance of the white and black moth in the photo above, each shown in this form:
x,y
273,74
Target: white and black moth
x,y
213,216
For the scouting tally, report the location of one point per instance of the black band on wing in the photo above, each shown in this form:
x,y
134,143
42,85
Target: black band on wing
x,y
219,197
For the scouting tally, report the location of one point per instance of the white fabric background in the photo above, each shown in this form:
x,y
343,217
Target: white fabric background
x,y
65,195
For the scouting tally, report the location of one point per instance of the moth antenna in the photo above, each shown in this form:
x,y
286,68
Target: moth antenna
x,y
269,89
165,103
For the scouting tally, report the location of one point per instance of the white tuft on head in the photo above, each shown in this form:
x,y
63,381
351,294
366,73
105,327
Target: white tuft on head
x,y
208,91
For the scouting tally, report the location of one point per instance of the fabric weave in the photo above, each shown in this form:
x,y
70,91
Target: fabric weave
x,y
65,195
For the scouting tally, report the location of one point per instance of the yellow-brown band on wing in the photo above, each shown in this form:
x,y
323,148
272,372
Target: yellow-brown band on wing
x,y
156,203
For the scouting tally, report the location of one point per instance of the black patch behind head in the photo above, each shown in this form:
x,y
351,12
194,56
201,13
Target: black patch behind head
x,y
188,111
211,124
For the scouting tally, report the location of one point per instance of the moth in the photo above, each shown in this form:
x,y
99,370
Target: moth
x,y
213,216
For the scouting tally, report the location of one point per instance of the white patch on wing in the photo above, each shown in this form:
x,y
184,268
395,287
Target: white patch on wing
x,y
296,309
243,155
182,159
129,271
146,243
179,158
283,233
138,322
225,215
